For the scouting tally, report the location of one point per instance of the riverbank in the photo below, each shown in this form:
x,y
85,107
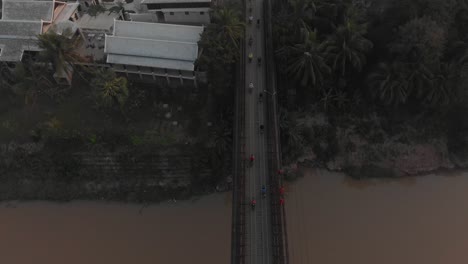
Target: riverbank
x,y
140,174
375,145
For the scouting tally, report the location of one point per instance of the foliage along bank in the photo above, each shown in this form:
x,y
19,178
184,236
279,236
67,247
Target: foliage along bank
x,y
375,83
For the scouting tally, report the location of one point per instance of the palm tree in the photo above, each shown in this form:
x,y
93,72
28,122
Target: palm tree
x,y
457,53
118,9
444,85
221,137
420,78
389,84
304,62
60,50
300,15
347,47
110,89
228,26
333,97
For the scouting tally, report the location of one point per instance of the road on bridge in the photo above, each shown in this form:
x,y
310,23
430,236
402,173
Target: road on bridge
x,y
258,221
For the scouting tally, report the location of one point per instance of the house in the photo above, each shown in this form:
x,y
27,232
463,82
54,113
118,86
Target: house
x,y
196,12
23,20
154,51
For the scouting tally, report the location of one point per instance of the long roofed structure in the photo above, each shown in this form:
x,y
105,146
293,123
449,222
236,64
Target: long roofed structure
x,y
153,45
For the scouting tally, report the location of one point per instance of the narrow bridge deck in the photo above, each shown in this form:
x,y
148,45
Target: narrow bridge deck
x,y
258,235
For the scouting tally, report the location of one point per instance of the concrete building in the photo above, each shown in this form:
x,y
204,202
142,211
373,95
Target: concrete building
x,y
196,12
23,20
154,51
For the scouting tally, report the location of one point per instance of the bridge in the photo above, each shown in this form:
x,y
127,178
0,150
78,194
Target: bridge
x,y
259,235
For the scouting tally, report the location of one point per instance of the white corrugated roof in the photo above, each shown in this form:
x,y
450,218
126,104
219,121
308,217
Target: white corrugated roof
x,y
173,1
157,31
153,44
152,48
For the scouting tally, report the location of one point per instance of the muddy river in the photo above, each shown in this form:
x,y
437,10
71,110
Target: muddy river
x,y
334,220
112,233
331,220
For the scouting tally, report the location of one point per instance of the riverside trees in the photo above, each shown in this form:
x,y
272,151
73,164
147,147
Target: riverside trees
x,y
416,64
375,56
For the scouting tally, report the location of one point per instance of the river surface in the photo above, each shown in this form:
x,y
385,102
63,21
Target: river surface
x,y
112,233
331,220
335,220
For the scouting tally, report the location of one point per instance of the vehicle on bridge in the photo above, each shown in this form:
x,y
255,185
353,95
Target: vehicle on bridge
x,y
250,41
250,56
253,203
259,61
260,97
251,86
252,159
263,191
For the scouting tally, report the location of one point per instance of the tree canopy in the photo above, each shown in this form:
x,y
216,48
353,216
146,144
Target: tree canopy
x,y
390,53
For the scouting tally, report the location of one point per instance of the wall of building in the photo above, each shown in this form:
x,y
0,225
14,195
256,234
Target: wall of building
x,y
145,17
187,17
156,74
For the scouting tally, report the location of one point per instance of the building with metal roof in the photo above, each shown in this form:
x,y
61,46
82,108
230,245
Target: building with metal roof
x,y
153,47
178,11
23,20
28,10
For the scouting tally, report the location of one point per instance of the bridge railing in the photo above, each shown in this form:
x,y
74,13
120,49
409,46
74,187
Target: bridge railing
x,y
279,230
238,236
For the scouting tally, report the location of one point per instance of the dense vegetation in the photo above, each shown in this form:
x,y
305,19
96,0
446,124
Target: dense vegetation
x,y
379,68
115,137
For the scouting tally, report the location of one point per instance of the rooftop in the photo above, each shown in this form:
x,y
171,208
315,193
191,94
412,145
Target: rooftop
x,y
153,45
19,29
67,12
173,1
23,20
16,36
157,31
27,10
13,49
103,21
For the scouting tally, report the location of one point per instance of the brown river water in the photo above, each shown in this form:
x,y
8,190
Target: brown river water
x,y
331,220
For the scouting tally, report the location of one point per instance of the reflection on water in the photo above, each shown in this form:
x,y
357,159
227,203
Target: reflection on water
x,y
100,233
333,219
367,183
